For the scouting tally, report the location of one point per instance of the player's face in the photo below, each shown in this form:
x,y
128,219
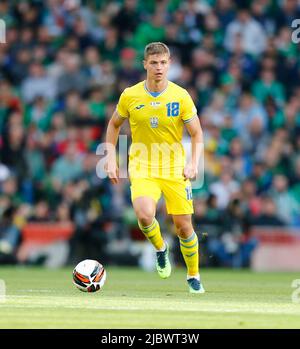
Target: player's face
x,y
157,66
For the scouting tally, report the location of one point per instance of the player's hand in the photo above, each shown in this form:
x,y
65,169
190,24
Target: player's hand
x,y
190,171
112,171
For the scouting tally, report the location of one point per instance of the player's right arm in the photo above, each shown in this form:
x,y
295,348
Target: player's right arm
x,y
112,134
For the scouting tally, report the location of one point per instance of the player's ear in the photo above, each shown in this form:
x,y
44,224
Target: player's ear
x,y
144,63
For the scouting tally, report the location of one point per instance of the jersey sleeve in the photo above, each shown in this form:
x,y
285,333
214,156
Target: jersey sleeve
x,y
188,110
122,106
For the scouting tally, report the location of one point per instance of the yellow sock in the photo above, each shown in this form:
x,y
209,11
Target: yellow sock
x,y
189,250
152,233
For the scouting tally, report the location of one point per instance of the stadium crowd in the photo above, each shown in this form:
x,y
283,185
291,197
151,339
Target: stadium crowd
x,y
62,69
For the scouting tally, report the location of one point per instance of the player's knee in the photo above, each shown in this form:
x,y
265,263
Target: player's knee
x,y
145,220
145,216
184,229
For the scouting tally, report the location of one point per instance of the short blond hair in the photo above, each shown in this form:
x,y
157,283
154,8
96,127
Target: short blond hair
x,y
155,48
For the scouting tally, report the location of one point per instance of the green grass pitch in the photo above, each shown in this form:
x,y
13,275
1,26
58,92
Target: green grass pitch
x,y
132,298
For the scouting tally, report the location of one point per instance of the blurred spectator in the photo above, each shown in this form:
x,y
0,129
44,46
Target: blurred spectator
x,y
152,30
39,113
267,86
224,189
288,208
215,113
9,102
225,12
12,152
71,77
241,163
249,30
92,65
289,10
249,120
269,214
38,83
126,20
128,73
9,235
67,167
41,212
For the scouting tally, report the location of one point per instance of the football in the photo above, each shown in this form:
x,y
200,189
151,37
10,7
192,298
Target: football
x,y
89,276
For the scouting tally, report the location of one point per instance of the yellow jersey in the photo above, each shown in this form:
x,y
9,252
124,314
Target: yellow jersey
x,y
156,123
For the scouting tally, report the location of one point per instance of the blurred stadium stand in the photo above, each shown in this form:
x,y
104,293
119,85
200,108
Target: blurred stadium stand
x,y
62,70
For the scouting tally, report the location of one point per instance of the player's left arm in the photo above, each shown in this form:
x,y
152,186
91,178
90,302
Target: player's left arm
x,y
195,131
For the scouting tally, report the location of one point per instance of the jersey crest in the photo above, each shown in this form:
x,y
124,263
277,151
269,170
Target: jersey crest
x,y
154,122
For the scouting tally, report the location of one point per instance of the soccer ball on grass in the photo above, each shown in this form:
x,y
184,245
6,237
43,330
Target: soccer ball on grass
x,y
89,276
